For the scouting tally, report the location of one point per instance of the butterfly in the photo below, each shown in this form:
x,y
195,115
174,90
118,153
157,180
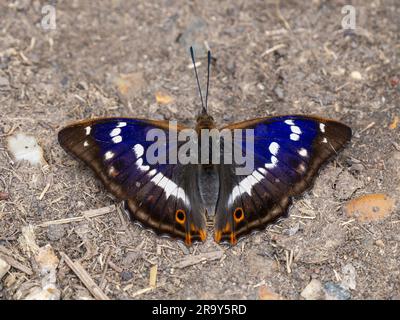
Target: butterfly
x,y
177,199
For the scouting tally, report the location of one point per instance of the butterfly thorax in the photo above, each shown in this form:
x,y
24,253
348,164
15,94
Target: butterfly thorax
x,y
204,121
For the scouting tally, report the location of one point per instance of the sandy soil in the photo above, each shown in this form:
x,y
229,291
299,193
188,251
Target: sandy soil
x,y
109,58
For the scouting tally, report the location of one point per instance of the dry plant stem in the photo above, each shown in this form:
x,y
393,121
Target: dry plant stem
x,y
86,279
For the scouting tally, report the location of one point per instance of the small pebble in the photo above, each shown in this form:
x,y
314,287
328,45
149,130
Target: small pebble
x,y
293,230
334,291
82,85
357,167
64,81
130,84
163,98
370,207
313,291
279,93
265,293
349,277
4,195
55,232
380,243
126,275
356,75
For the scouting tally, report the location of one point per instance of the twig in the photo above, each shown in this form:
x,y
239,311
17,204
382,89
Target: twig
x,y
183,247
107,254
277,32
17,265
121,217
46,188
302,217
347,222
396,146
85,278
287,262
190,66
274,48
279,14
115,267
85,215
337,276
153,276
192,260
141,291
367,127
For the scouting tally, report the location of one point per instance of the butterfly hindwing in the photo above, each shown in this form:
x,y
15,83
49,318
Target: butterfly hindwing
x,y
159,196
288,152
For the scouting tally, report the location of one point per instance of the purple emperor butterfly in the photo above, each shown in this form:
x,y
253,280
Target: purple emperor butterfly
x,y
176,199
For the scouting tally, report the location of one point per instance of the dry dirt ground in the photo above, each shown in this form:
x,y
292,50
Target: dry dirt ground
x,y
108,58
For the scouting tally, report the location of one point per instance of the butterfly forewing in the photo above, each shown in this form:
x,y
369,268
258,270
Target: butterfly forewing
x,y
288,151
156,195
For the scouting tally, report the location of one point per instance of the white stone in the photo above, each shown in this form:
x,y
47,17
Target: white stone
x,y
313,291
349,277
24,147
356,75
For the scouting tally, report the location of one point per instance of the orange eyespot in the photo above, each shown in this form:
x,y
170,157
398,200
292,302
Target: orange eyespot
x,y
180,216
238,215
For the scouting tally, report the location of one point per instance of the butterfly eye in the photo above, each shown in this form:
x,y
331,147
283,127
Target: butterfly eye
x,y
180,216
238,215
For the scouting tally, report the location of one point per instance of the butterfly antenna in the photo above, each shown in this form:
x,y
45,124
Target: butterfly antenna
x,y
208,76
203,109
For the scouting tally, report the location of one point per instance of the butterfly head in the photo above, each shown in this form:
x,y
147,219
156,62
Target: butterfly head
x,y
205,121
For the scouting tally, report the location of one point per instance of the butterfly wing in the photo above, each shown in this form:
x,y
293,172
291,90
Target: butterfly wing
x,y
163,197
288,151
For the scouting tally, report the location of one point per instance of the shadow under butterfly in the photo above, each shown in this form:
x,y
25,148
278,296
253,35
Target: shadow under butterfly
x,y
176,199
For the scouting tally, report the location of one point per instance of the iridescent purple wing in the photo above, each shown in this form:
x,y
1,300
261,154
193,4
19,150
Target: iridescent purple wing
x,y
288,152
161,196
